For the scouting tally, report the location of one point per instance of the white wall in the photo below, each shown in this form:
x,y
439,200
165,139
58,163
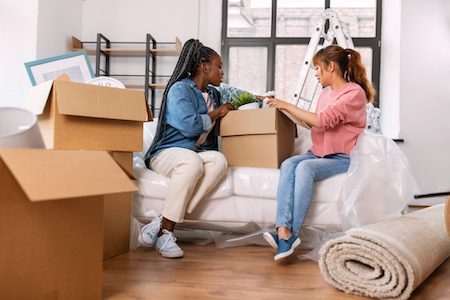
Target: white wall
x,y
18,36
425,91
130,21
210,26
390,68
57,22
30,30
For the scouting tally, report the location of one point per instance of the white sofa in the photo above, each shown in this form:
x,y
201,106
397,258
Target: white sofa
x,y
246,195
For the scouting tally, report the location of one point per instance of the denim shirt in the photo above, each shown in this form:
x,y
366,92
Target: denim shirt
x,y
186,119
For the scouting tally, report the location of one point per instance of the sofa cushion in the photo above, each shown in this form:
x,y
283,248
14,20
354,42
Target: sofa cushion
x,y
154,185
263,183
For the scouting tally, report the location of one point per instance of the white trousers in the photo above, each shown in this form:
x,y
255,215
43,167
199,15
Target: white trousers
x,y
192,176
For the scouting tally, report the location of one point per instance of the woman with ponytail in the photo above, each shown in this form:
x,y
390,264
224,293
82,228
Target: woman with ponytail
x,y
185,144
339,119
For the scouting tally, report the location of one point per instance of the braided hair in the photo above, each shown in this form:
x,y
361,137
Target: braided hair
x,y
192,55
350,64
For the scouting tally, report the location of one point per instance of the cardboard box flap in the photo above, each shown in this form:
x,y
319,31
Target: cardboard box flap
x,y
37,97
257,121
78,99
58,174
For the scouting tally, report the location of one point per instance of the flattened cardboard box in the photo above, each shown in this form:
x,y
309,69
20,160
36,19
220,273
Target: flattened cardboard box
x,y
257,138
117,213
88,117
51,221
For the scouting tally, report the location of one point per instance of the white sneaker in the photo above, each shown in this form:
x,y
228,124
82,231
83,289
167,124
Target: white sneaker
x,y
272,239
167,246
149,233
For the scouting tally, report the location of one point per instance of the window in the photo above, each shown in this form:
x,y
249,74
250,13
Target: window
x,y
265,41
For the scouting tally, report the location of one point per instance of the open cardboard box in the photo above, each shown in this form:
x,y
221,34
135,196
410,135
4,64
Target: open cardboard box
x,y
79,116
257,137
75,115
51,221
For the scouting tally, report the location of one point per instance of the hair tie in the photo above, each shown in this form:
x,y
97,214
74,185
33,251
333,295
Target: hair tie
x,y
348,51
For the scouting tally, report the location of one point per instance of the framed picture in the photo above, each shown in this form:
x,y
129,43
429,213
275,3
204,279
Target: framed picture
x,y
75,64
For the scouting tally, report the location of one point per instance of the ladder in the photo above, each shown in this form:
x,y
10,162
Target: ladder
x,y
303,98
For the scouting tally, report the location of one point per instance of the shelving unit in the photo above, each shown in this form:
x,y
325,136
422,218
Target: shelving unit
x,y
149,49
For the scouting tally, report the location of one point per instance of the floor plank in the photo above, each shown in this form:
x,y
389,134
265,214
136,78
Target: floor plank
x,y
208,272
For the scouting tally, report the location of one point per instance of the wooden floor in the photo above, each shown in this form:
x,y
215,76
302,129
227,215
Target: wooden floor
x,y
207,272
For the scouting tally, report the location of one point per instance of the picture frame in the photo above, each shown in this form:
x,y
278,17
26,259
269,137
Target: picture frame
x,y
74,64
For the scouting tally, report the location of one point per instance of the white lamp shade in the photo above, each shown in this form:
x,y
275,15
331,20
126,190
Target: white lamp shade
x,y
19,129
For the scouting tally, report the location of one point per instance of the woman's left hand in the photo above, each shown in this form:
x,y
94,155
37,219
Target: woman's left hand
x,y
221,111
225,108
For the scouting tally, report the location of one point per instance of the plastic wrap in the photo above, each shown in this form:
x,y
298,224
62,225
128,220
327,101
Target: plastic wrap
x,y
148,136
245,195
379,182
373,118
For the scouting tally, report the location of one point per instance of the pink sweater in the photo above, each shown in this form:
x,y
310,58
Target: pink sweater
x,y
342,118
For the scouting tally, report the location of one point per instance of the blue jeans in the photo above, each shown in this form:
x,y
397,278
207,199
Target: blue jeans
x,y
295,186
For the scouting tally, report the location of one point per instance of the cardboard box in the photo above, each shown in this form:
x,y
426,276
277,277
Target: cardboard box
x,y
88,117
124,160
257,138
51,221
117,214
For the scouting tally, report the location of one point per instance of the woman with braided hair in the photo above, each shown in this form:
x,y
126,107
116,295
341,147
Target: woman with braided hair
x,y
185,144
339,119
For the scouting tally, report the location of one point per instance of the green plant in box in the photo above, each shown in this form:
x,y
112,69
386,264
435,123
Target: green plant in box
x,y
244,98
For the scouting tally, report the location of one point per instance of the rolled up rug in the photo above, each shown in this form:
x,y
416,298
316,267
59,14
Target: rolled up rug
x,y
389,259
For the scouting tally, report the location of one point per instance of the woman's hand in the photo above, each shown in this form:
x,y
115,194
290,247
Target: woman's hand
x,y
221,111
225,108
302,116
278,103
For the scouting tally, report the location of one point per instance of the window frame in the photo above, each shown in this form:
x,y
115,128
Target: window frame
x,y
272,42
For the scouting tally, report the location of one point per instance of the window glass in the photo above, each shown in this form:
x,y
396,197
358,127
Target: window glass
x,y
297,18
289,59
366,57
358,15
272,60
249,18
248,68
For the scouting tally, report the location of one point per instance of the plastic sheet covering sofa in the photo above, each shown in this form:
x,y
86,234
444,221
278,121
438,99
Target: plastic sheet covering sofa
x,y
246,199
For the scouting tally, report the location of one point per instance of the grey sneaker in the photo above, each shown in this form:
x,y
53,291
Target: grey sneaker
x,y
167,246
149,233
